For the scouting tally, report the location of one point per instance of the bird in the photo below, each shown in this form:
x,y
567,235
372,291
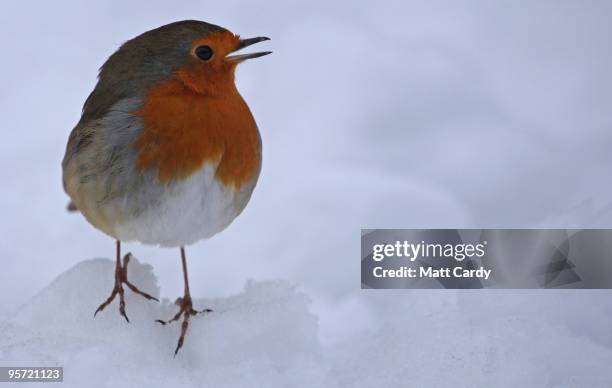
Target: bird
x,y
166,151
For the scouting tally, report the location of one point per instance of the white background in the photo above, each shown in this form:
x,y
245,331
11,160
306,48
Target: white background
x,y
372,114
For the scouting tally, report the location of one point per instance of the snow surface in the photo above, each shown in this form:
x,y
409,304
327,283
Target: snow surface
x,y
266,336
396,114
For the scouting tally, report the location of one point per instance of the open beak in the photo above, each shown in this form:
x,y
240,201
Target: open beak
x,y
245,43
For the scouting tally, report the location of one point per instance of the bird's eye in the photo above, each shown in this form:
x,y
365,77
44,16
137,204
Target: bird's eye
x,y
204,52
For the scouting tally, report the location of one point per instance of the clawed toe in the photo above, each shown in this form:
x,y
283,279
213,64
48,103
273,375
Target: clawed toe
x,y
186,311
121,279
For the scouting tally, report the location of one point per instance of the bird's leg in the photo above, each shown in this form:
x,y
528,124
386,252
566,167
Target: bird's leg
x,y
120,279
186,307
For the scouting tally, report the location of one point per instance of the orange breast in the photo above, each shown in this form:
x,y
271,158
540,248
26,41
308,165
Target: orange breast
x,y
183,130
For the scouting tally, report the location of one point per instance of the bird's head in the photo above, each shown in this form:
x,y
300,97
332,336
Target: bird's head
x,y
211,61
201,55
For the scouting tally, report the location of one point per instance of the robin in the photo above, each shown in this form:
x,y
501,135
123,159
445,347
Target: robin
x,y
167,151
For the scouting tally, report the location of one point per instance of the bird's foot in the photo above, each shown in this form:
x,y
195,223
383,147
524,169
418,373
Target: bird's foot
x,y
186,310
120,279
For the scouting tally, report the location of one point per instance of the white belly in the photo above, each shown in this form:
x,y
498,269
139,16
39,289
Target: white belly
x,y
187,211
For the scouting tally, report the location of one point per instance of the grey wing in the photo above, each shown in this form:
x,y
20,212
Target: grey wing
x,y
100,159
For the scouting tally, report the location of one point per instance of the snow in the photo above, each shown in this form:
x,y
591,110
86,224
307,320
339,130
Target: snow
x,y
265,331
390,114
267,336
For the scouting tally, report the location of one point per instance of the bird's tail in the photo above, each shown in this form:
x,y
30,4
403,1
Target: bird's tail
x,y
71,207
